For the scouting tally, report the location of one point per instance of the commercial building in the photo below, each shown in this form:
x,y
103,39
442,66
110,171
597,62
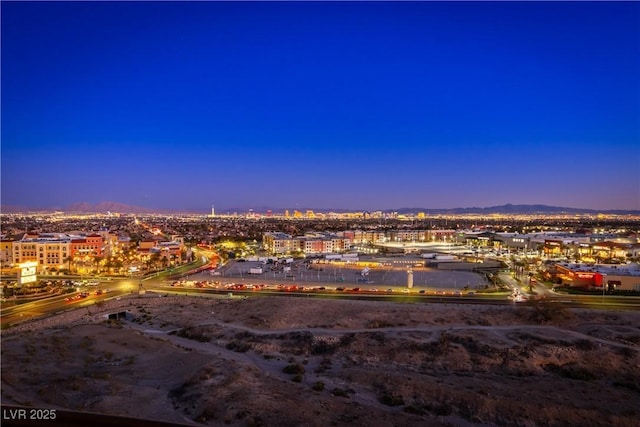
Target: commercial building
x,y
613,277
6,251
338,242
553,245
47,252
53,250
278,243
590,248
90,245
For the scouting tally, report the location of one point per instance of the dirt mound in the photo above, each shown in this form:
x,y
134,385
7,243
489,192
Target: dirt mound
x,y
280,361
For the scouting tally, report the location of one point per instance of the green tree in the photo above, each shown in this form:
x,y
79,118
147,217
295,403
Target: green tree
x,y
154,259
108,263
117,265
97,259
69,261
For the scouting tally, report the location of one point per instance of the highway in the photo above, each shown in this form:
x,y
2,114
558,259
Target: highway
x,y
22,312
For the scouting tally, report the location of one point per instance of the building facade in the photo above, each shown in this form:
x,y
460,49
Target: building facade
x,y
46,252
6,252
54,250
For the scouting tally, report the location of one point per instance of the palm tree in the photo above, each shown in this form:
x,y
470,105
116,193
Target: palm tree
x,y
97,259
108,263
69,260
155,258
117,265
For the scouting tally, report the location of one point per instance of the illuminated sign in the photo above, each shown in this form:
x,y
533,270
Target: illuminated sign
x,y
28,279
27,272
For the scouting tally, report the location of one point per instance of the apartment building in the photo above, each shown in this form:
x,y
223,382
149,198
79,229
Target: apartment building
x,y
53,249
6,251
47,251
311,243
90,245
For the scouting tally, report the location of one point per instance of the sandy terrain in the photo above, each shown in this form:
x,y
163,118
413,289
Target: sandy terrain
x,y
290,361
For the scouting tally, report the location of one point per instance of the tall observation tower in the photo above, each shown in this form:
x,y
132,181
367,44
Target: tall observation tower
x,y
213,211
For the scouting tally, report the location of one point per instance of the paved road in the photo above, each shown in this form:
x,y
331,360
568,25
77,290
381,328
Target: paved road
x,y
119,288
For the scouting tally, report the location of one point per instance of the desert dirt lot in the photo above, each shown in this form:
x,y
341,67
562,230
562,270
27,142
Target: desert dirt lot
x,y
277,361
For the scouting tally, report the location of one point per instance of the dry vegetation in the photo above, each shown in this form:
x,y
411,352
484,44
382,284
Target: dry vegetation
x,y
280,361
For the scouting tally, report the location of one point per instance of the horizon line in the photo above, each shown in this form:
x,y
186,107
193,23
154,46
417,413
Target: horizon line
x,y
123,207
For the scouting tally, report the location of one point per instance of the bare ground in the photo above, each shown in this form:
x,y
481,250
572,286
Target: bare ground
x,y
289,362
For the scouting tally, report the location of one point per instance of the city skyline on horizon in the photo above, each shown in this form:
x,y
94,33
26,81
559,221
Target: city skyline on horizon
x,y
116,207
357,106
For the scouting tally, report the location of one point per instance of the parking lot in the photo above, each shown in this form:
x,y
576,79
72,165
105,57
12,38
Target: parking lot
x,y
299,273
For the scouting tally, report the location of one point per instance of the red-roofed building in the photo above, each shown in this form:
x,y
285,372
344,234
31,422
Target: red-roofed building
x,y
90,245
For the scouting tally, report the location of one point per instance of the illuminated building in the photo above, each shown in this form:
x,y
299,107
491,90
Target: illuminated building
x,y
46,252
280,243
310,243
50,250
89,245
6,251
25,250
613,277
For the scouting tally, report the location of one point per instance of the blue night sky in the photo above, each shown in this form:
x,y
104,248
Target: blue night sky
x,y
323,105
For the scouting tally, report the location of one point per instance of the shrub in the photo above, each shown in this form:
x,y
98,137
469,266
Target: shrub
x,y
238,346
390,399
339,392
376,336
322,347
627,352
584,344
547,311
294,369
193,334
413,409
378,323
347,339
629,383
571,371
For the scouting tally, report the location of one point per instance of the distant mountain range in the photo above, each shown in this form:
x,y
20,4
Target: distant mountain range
x,y
106,207
84,207
116,207
518,209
